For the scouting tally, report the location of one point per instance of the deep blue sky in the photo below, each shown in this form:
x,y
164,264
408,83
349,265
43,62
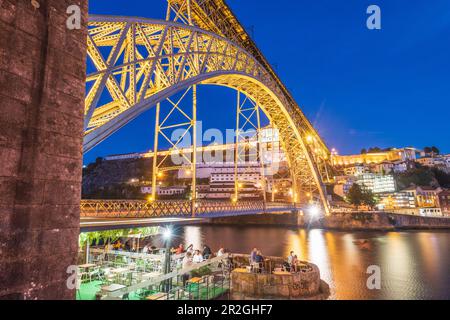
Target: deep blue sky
x,y
361,88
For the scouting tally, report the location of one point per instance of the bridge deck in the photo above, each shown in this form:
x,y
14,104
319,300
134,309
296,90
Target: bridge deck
x,y
119,209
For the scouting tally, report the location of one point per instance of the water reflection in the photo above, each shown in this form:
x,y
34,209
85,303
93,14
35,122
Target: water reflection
x,y
414,265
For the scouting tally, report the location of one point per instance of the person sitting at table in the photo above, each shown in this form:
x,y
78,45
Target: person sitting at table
x,y
259,261
190,249
207,252
180,249
290,257
118,245
287,265
198,258
221,252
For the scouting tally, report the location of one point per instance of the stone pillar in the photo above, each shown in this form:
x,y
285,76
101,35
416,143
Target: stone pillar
x,y
42,88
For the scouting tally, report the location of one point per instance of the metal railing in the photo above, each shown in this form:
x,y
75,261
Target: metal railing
x,y
157,209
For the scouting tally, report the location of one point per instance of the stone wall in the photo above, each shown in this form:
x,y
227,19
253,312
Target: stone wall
x,y
42,88
381,221
285,219
358,221
302,285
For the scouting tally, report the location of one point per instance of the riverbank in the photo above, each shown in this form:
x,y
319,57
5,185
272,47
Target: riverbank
x,y
359,221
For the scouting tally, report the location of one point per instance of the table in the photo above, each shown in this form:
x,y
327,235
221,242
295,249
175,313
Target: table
x,y
119,270
157,296
113,287
86,269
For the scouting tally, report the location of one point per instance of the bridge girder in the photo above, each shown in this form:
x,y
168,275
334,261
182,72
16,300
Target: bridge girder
x,y
141,62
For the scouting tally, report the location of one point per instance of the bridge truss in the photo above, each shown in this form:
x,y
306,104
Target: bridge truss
x,y
141,62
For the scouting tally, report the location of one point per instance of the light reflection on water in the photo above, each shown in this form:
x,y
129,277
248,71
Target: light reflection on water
x,y
414,265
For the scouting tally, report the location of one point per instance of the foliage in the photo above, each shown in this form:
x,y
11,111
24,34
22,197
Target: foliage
x,y
358,196
116,191
111,236
203,271
442,178
375,150
432,150
419,176
355,195
369,198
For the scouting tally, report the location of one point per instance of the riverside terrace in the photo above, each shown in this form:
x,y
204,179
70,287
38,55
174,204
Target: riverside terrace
x,y
117,275
131,264
108,272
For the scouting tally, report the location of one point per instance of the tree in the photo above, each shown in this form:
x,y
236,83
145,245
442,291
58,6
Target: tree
x,y
369,198
435,150
375,150
355,195
442,177
358,196
419,176
363,151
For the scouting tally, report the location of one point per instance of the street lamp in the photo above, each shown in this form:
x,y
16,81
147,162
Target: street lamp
x,y
314,211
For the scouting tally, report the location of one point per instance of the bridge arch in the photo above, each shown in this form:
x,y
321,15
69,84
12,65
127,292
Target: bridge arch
x,y
166,58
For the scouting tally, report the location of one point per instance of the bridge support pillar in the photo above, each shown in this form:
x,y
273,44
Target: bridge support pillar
x,y
42,89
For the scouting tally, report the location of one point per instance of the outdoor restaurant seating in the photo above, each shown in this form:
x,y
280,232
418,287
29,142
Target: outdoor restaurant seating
x,y
107,274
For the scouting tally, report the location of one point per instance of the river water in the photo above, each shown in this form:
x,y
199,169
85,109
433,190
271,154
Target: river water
x,y
414,265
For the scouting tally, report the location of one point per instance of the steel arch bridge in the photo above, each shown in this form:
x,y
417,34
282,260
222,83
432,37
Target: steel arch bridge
x,y
141,62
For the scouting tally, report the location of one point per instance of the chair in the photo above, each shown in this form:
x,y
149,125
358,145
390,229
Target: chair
x,y
94,273
81,277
